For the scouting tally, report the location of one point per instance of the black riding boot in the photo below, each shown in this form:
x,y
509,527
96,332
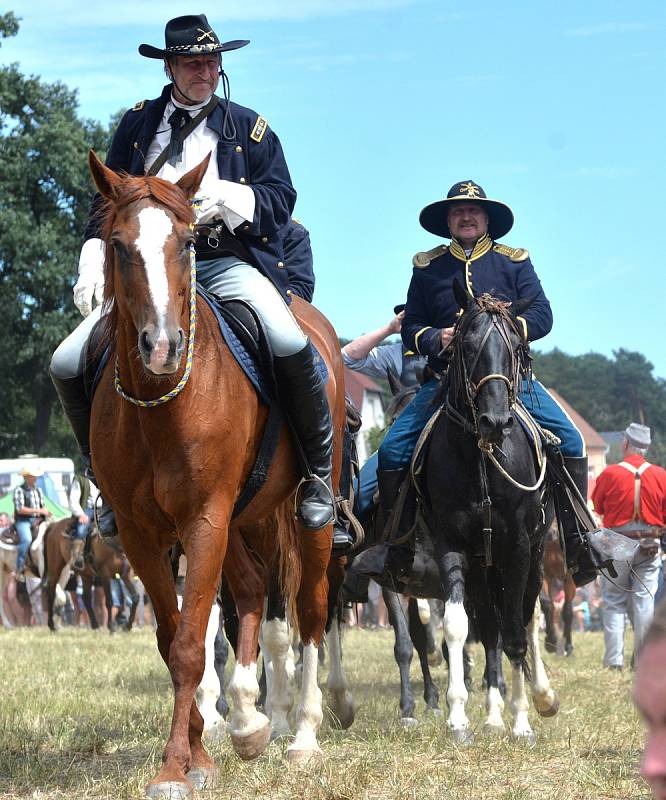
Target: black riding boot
x,y
391,486
74,401
582,559
303,397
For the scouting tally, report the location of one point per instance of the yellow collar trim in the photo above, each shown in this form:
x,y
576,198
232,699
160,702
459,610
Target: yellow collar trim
x,y
482,246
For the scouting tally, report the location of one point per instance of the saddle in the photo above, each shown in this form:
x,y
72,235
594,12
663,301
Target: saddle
x,y
9,535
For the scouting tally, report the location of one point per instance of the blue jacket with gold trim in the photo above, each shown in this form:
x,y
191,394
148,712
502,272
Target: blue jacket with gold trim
x,y
504,272
298,260
261,165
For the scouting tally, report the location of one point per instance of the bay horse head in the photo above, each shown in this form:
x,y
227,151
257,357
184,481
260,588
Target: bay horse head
x,y
488,363
148,232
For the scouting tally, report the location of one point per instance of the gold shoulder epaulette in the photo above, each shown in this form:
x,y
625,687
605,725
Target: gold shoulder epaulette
x,y
514,253
422,260
138,106
296,220
260,128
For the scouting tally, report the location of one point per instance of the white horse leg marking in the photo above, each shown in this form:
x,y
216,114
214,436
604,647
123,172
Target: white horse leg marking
x,y
244,690
310,715
279,668
340,699
32,586
424,610
519,706
494,708
455,632
543,696
208,690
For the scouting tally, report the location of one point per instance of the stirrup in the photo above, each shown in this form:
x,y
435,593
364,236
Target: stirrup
x,y
330,506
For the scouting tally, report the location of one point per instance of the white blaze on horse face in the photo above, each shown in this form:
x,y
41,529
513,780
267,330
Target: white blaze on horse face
x,y
154,229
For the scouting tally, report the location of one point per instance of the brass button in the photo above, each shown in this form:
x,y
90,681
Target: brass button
x,y
239,149
280,265
264,239
242,180
246,227
288,292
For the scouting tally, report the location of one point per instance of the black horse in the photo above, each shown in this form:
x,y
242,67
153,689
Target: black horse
x,y
487,509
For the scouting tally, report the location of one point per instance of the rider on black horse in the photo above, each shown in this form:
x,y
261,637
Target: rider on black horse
x,y
474,223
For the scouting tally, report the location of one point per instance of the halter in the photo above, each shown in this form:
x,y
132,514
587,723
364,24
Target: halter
x,y
190,349
499,320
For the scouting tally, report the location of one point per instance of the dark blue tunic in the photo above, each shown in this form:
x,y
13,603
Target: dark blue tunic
x,y
261,165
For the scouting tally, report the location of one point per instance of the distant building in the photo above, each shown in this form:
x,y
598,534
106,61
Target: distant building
x,y
595,444
367,397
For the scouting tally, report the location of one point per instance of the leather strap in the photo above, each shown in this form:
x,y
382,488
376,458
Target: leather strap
x,y
637,472
184,132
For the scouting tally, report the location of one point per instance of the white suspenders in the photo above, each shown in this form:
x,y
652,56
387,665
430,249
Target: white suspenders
x,y
636,472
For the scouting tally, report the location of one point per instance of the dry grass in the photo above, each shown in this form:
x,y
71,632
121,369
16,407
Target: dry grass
x,y
85,716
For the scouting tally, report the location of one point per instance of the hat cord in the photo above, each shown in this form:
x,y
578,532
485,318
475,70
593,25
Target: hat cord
x,y
228,125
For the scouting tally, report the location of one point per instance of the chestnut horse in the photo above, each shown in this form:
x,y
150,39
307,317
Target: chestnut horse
x,y
173,452
105,562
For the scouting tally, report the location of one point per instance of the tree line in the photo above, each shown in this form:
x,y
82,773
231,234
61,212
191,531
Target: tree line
x,y
43,209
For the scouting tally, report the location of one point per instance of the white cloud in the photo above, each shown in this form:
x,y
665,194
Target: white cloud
x,y
606,28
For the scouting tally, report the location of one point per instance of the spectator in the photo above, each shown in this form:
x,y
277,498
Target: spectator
x,y
29,508
631,498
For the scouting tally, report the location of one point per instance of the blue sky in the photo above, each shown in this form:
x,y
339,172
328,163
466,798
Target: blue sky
x,y
381,105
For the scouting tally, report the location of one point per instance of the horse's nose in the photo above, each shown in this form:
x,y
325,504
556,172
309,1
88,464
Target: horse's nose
x,y
145,343
494,427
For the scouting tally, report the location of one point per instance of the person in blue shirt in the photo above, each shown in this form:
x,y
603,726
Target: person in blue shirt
x,y
474,223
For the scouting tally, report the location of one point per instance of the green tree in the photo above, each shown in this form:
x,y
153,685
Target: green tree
x,y
43,209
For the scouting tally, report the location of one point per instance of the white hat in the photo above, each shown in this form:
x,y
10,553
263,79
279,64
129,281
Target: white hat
x,y
36,472
638,435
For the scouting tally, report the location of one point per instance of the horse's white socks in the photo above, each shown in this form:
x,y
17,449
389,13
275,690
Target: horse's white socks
x,y
310,714
456,627
244,689
279,666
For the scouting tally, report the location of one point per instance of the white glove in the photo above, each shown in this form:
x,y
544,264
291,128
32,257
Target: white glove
x,y
91,276
226,200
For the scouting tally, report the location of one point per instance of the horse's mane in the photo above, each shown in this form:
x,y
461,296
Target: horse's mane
x,y
132,190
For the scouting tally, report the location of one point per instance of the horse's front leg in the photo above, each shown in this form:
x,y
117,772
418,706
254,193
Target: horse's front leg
x,y
249,729
311,604
403,651
456,626
153,567
419,621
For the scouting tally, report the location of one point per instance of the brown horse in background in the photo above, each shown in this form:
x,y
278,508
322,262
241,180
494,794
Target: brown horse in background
x,y
555,576
172,472
103,560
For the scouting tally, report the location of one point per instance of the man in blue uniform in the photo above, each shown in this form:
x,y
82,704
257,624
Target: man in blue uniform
x,y
244,207
474,223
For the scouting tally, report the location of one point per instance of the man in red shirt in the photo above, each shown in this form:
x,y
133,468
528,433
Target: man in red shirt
x,y
631,498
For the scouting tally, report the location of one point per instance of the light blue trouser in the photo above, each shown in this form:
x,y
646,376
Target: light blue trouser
x,y
397,448
25,540
225,277
618,602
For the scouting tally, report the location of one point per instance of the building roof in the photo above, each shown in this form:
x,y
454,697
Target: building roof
x,y
592,439
356,384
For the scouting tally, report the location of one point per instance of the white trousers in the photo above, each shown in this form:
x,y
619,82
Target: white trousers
x,y
631,593
226,278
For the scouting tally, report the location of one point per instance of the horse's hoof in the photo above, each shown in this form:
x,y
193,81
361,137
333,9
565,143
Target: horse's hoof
x,y
568,650
526,737
491,729
297,757
463,737
548,710
550,647
341,712
409,722
435,658
170,790
253,745
278,731
433,711
203,777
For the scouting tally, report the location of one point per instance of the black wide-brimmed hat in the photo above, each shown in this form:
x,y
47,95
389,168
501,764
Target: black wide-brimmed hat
x,y
434,218
190,35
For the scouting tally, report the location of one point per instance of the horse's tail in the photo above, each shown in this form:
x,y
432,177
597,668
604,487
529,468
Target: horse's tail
x,y
290,557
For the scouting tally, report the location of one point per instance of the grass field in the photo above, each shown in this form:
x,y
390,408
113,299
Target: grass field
x,y
85,715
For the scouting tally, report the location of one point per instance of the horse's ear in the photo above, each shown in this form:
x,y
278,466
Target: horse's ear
x,y
191,181
520,306
463,297
105,179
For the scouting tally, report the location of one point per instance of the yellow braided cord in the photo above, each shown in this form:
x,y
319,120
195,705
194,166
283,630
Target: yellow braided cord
x,y
190,349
